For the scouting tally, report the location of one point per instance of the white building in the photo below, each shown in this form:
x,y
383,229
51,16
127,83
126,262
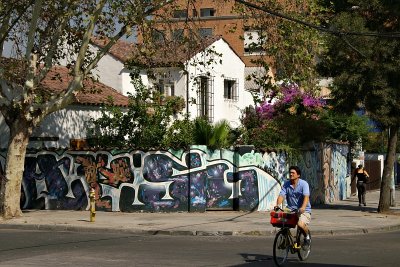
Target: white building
x,y
210,78
71,123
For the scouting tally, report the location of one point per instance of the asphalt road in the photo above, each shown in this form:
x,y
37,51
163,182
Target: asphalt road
x,y
43,248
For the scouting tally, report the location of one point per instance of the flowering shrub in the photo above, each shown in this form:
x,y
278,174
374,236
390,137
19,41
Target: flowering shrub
x,y
291,118
291,101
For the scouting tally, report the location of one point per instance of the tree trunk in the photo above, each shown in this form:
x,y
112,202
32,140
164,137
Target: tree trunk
x,y
10,191
384,199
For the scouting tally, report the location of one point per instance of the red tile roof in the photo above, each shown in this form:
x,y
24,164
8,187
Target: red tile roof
x,y
58,79
122,50
93,93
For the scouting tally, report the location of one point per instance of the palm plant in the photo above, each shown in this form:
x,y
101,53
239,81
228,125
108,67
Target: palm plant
x,y
213,136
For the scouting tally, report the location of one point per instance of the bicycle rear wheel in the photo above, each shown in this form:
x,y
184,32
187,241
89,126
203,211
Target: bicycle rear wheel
x,y
281,248
305,248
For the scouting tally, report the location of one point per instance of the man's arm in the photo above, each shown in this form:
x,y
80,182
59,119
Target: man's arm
x,y
279,200
304,205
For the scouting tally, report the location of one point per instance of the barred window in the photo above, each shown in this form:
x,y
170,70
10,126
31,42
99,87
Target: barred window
x,y
205,97
231,89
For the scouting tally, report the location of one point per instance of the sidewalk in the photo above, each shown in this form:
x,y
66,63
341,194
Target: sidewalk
x,y
342,217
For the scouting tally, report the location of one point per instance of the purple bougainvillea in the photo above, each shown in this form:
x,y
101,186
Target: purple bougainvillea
x,y
291,101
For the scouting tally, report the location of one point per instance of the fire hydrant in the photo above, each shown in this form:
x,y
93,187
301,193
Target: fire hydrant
x,y
92,207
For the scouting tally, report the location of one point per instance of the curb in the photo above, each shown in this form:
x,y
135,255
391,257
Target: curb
x,y
72,228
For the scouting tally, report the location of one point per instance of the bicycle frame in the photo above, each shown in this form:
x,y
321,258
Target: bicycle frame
x,y
290,239
285,242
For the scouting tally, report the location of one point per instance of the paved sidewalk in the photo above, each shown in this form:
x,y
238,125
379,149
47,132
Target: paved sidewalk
x,y
342,217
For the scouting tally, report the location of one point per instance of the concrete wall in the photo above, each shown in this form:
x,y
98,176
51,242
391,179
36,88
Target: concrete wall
x,y
196,180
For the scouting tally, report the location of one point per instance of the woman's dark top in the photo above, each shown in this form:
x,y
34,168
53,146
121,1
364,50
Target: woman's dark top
x,y
361,177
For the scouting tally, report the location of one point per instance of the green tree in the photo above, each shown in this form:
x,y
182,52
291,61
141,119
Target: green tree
x,y
288,48
47,33
295,118
365,68
142,125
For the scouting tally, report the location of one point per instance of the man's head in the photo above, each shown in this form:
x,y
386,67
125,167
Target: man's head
x,y
294,172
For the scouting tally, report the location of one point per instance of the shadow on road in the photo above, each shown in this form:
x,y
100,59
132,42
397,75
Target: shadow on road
x,y
267,260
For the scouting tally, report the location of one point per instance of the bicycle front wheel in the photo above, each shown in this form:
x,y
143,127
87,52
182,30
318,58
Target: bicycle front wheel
x,y
305,247
281,248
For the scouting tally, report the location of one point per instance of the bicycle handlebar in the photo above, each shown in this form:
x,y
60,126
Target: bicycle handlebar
x,y
277,208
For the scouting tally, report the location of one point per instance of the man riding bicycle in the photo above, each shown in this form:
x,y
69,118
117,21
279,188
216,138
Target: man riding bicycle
x,y
297,193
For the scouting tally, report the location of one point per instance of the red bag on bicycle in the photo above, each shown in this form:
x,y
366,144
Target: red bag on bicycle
x,y
284,219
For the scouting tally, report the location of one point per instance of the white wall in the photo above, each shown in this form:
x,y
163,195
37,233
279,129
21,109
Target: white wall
x,y
66,124
69,123
110,71
232,67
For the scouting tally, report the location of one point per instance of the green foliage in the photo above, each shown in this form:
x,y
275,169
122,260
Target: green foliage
x,y
365,69
288,48
220,135
213,136
351,128
179,135
143,125
281,126
151,122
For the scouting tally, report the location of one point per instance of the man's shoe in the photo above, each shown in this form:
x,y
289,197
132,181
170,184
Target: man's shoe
x,y
365,204
359,205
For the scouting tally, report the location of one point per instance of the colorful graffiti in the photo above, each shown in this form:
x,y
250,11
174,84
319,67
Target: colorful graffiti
x,y
196,180
326,169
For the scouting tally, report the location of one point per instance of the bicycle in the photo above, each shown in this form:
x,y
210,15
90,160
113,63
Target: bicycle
x,y
284,240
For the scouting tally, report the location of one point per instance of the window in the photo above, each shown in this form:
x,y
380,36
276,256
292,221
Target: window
x,y
205,32
195,14
231,89
253,40
180,14
205,97
207,12
177,35
166,88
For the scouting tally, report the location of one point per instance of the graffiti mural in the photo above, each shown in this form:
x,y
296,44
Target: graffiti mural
x,y
196,180
325,168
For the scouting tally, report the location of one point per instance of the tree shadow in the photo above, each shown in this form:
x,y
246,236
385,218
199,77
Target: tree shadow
x,y
343,206
267,260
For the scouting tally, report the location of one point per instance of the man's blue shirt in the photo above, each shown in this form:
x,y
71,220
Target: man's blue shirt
x,y
295,196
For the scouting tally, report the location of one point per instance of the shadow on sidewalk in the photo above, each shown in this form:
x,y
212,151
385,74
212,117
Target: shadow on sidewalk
x,y
342,206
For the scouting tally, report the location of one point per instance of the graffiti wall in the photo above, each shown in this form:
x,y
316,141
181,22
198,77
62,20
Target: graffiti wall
x,y
196,180
326,168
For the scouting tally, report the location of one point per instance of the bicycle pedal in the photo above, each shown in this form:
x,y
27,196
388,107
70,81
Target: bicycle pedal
x,y
297,246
